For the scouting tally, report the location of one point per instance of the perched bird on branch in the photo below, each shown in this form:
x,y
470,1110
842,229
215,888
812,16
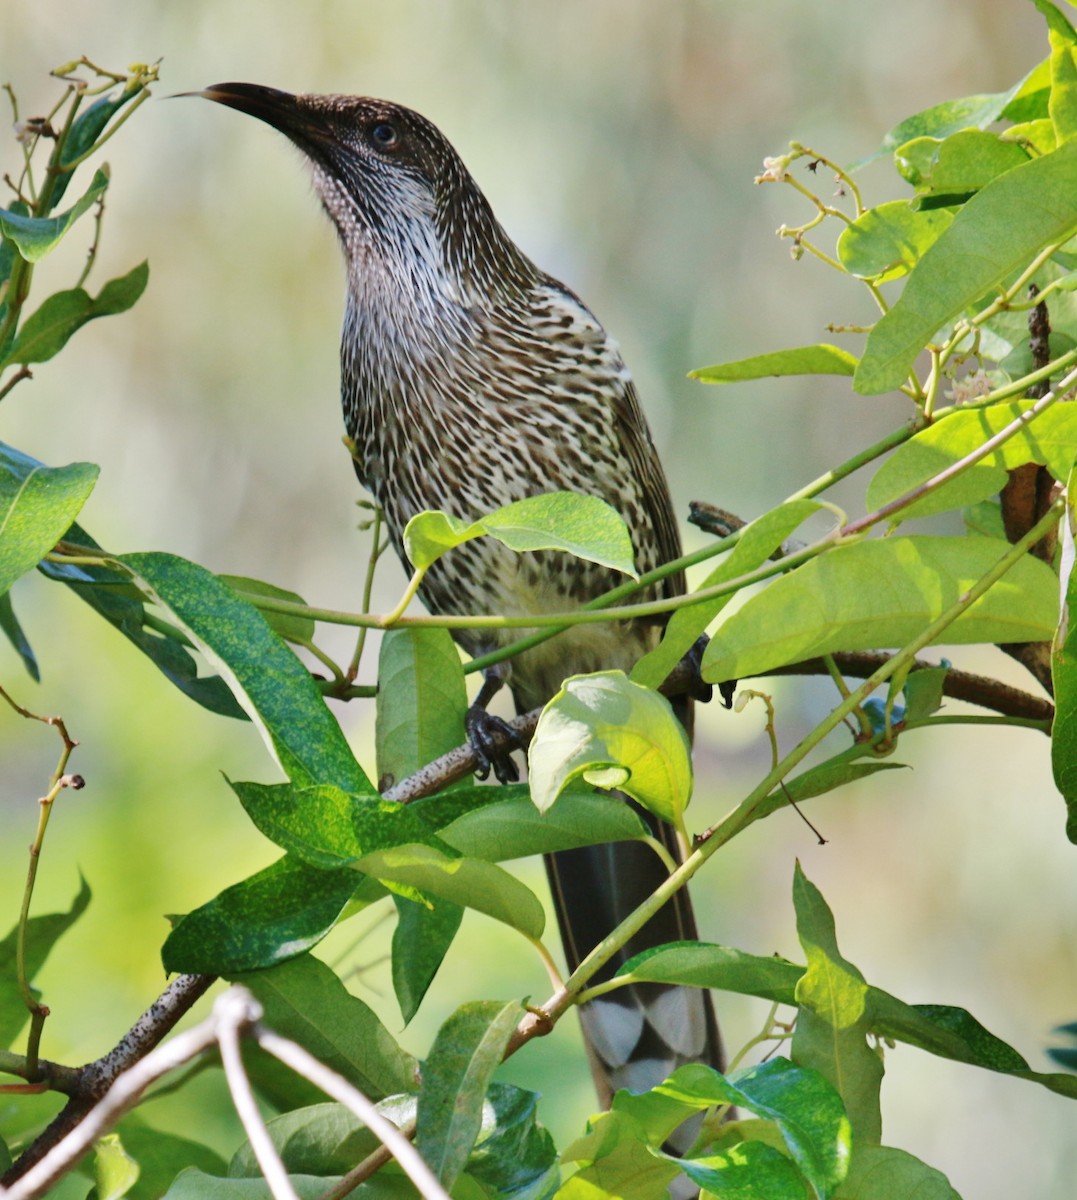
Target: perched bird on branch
x,y
471,379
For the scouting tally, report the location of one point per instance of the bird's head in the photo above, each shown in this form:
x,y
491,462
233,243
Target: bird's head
x,y
392,183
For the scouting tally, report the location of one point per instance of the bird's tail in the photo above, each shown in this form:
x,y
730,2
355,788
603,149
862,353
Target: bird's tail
x,y
636,1036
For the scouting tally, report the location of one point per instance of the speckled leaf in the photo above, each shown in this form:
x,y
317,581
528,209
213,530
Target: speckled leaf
x,y
292,628
37,506
267,679
466,1052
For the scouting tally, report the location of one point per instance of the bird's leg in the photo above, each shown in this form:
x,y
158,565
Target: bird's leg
x,y
492,739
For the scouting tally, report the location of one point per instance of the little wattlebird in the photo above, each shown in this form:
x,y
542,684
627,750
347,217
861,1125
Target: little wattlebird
x,y
471,379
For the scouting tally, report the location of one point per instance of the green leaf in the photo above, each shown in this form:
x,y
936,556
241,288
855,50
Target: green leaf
x,y
804,360
305,1001
612,733
516,829
115,1171
36,236
326,827
112,595
323,1139
616,1161
13,631
943,1030
513,1155
748,1169
924,692
42,933
832,1022
1051,440
194,1184
886,242
883,1173
961,164
581,525
941,120
161,1156
1062,105
1004,225
757,542
297,629
881,593
421,705
466,1052
700,964
270,683
1064,675
270,917
47,330
467,881
422,701
87,128
37,507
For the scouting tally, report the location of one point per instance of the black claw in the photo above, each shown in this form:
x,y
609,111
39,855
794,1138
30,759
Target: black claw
x,y
493,741
696,688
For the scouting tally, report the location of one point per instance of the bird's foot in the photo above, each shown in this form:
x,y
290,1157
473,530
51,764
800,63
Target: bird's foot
x,y
493,741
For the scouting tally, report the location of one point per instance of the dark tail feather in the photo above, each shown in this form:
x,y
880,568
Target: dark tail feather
x,y
638,1035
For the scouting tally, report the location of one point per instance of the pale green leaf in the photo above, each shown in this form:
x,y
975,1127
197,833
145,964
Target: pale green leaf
x,y
613,733
36,236
889,240
879,594
804,360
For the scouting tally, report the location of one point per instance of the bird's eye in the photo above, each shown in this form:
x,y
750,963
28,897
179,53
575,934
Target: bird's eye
x,y
384,135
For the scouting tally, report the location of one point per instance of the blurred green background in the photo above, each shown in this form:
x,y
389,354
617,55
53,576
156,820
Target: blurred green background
x,y
617,141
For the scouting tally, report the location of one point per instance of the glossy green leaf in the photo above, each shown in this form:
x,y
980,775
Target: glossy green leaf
x,y
750,1168
421,705
47,330
326,827
37,506
514,1156
13,631
881,593
112,595
36,236
888,241
584,526
924,692
421,702
296,629
305,1001
516,829
1051,440
612,733
270,683
701,964
466,881
42,933
804,360
270,917
832,1022
115,1171
804,1105
1004,225
757,542
466,1052
883,1173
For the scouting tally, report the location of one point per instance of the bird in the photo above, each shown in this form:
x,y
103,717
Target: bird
x,y
471,379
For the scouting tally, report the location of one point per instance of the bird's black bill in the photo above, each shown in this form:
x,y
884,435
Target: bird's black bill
x,y
279,109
